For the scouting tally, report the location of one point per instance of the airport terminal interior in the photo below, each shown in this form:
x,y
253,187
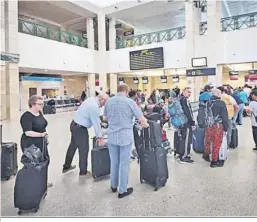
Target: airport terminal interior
x,y
61,50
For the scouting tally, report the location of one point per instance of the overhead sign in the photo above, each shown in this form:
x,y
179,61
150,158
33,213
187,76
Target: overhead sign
x,y
233,75
201,72
164,79
41,79
146,59
121,81
199,62
252,74
10,57
135,80
145,80
175,79
128,33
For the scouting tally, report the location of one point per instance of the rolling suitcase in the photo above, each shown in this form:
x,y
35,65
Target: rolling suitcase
x,y
153,159
234,138
100,160
9,165
198,140
31,185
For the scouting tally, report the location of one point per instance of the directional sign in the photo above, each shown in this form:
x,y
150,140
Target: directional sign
x,y
10,57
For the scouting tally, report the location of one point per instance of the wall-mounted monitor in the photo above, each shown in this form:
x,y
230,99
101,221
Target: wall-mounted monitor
x,y
121,81
233,75
252,74
199,62
145,80
164,79
175,79
135,80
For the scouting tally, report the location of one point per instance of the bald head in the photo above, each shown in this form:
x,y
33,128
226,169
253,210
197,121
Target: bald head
x,y
102,98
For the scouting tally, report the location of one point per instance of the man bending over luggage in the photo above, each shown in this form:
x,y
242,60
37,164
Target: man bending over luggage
x,y
120,112
86,116
186,132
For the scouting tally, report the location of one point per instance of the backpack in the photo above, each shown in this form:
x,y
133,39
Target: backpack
x,y
205,118
177,116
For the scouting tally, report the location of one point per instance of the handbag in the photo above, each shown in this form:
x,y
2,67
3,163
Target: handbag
x,y
223,152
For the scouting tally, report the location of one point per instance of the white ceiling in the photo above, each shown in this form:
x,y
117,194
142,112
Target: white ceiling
x,y
63,13
161,15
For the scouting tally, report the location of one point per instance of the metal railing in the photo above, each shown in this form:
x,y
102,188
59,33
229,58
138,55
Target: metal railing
x,y
51,33
238,22
149,38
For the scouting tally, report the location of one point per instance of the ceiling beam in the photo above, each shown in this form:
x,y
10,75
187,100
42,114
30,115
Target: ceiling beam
x,y
78,20
227,7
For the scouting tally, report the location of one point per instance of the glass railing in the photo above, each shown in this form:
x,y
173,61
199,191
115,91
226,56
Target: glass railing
x,y
51,33
149,38
234,23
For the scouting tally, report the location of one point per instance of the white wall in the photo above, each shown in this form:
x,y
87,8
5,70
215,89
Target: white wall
x,y
234,47
40,53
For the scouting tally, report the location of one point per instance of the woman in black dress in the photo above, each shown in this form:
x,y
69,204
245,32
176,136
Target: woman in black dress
x,y
34,125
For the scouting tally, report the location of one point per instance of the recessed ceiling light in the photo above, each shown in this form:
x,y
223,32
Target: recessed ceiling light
x,y
46,70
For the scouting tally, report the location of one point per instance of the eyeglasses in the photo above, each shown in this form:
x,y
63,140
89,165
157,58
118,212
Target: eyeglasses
x,y
40,104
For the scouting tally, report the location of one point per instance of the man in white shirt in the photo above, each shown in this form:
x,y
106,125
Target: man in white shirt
x,y
247,90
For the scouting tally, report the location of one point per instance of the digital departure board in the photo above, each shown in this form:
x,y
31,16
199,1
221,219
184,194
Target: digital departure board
x,y
201,72
146,59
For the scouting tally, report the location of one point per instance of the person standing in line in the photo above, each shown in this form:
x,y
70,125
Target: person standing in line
x,y
186,131
33,125
120,112
253,110
214,134
87,115
238,116
206,95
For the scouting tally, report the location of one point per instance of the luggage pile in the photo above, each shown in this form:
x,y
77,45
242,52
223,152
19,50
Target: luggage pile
x,y
31,181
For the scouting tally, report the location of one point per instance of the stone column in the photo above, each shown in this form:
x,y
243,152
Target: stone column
x,y
90,33
91,84
102,51
9,71
193,18
113,83
214,29
112,34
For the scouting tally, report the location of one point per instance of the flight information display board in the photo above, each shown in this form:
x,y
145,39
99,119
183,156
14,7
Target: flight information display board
x,y
146,59
201,72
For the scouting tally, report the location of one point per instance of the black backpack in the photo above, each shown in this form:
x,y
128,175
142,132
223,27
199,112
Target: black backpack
x,y
205,118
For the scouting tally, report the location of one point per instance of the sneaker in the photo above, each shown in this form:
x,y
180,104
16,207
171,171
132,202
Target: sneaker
x,y
129,191
206,158
216,164
85,175
255,149
114,190
185,160
65,170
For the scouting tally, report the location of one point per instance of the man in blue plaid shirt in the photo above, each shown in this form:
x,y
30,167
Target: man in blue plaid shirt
x,y
120,112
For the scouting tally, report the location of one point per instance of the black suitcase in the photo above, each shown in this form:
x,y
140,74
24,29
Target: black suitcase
x,y
100,160
153,160
31,185
9,165
234,138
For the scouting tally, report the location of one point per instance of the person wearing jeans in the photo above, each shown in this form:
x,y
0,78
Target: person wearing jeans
x,y
120,112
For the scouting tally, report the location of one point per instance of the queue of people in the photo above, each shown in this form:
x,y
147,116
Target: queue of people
x,y
122,109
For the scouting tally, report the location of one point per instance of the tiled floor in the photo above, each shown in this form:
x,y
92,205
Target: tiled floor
x,y
192,190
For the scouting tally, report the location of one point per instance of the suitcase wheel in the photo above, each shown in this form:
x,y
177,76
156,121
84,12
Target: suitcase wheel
x,y
141,181
7,178
35,210
20,212
156,188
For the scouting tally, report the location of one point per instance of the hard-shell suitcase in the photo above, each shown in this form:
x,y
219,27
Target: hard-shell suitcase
x,y
100,160
31,184
234,138
9,165
153,160
198,140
